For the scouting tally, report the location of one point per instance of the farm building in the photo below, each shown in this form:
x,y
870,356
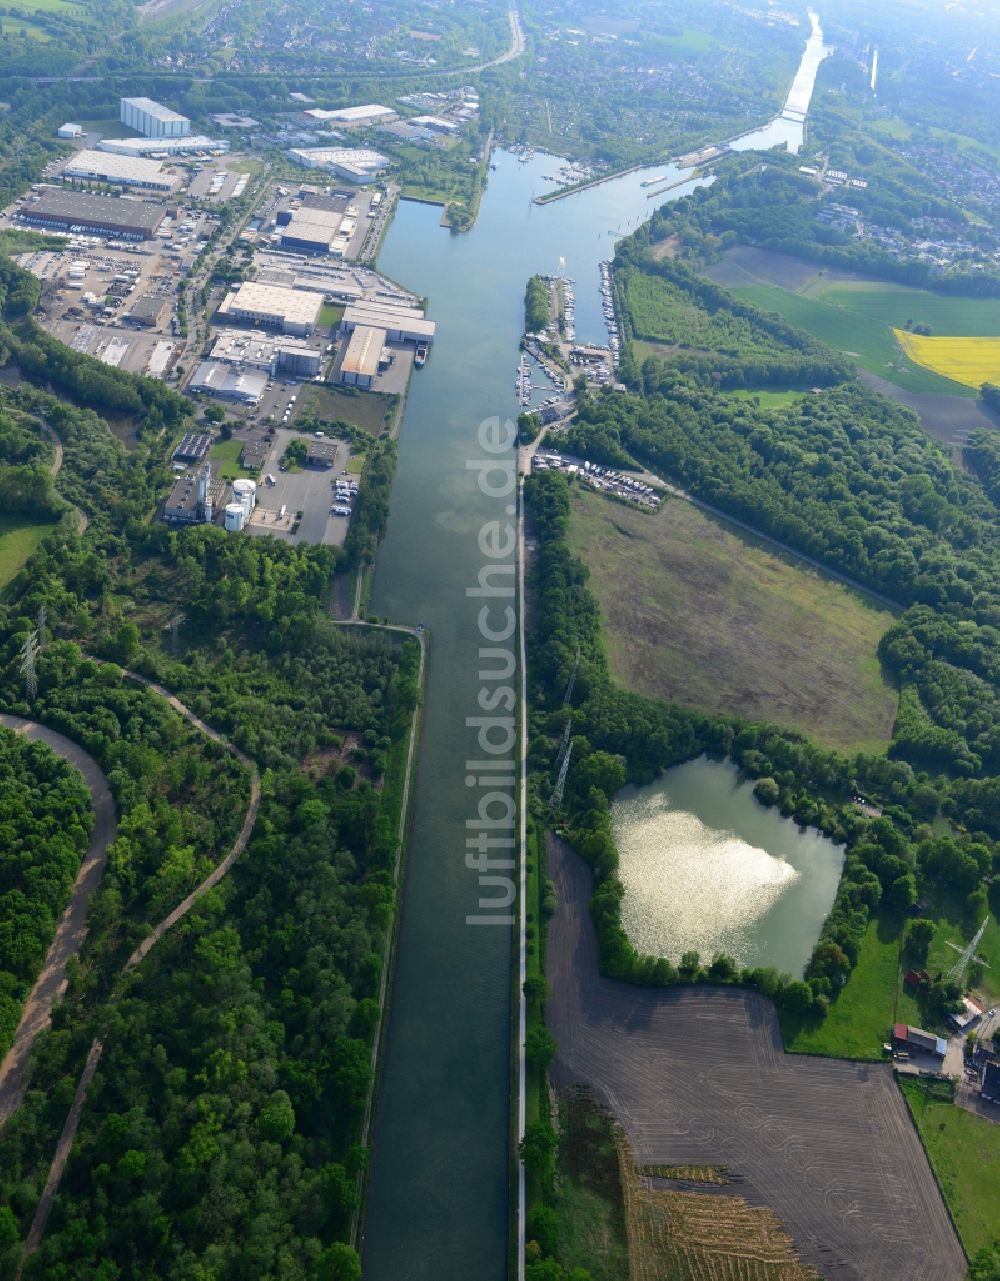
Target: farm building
x,y
915,1040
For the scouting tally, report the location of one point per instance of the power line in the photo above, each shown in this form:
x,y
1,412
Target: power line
x,y
29,652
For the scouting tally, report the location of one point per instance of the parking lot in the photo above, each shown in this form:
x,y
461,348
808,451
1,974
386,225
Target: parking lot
x,y
310,491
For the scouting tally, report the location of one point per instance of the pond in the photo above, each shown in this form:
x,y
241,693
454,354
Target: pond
x,y
706,867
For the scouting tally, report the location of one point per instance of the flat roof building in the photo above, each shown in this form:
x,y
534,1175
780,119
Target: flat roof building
x,y
245,387
69,130
290,311
150,312
356,164
311,230
193,447
153,119
270,352
96,215
367,114
127,171
181,146
401,324
437,124
362,357
321,453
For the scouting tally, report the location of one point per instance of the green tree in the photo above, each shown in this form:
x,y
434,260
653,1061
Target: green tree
x,y
277,1119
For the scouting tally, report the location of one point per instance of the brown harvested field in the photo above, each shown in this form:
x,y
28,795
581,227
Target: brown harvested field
x,y
697,1076
701,614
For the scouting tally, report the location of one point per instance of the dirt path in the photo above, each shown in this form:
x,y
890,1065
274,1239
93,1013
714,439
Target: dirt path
x,y
65,1144
54,470
72,927
698,1076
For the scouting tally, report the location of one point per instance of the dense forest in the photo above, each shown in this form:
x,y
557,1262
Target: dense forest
x,y
45,821
536,306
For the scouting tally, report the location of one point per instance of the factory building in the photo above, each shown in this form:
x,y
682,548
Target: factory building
x,y
64,210
272,354
152,119
182,146
356,164
436,124
363,357
242,387
125,171
69,130
287,310
401,324
194,499
368,114
150,312
311,231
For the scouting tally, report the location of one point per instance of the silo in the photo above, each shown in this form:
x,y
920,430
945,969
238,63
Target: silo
x,y
235,517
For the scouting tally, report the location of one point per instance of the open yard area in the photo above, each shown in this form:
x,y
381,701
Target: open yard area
x,y
701,615
369,410
965,1153
17,542
858,316
697,1076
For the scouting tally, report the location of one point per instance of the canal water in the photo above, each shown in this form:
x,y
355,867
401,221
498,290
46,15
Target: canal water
x,y
707,868
437,1198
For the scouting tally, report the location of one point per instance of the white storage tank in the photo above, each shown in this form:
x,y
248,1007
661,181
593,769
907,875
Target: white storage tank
x,y
245,492
236,517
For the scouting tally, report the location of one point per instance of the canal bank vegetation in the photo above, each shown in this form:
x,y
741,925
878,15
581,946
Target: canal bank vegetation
x,y
225,1122
536,305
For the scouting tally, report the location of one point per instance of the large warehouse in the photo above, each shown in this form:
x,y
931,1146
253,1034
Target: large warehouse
x,y
153,119
363,356
245,387
288,310
311,231
368,114
356,164
129,171
171,146
269,352
98,215
401,324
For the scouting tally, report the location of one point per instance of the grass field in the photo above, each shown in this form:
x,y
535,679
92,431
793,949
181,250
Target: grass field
x,y
368,410
769,399
858,1021
21,27
63,8
964,1152
970,361
18,541
697,614
329,315
867,339
227,454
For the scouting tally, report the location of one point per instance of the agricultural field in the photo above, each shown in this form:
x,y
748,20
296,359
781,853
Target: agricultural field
x,y
699,614
18,541
858,316
964,1152
970,361
62,8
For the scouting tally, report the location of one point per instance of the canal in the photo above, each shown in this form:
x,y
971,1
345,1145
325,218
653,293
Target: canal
x,y
437,1205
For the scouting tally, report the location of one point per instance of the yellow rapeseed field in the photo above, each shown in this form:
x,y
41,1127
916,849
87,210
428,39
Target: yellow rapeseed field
x,y
970,361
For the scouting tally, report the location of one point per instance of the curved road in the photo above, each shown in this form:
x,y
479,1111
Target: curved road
x,y
65,1144
72,927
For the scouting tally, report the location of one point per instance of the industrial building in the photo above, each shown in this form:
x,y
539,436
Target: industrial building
x,y
126,171
254,454
95,215
401,324
152,119
182,146
270,353
311,231
363,356
321,453
436,124
287,310
356,164
243,387
368,114
193,447
150,312
69,130
194,500
990,1088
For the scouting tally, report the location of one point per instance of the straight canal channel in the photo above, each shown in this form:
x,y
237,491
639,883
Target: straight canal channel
x,y
437,1205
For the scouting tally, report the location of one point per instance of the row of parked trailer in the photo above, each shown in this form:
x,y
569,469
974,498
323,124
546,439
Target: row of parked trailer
x,y
603,479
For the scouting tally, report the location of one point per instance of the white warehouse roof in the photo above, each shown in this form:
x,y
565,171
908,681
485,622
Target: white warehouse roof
x,y
128,169
291,306
157,110
352,115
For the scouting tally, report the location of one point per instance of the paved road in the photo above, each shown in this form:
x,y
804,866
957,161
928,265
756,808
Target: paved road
x,y
698,1076
72,927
